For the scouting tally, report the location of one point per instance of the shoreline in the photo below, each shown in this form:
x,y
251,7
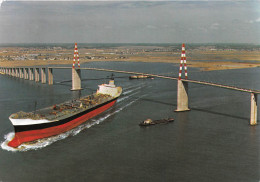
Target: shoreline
x,y
203,65
206,58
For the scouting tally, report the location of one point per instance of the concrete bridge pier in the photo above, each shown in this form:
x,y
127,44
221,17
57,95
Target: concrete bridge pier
x,y
9,71
253,115
17,72
21,71
37,74
13,72
43,75
26,73
50,76
182,96
31,77
76,79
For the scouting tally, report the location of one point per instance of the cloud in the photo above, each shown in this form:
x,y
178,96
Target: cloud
x,y
257,20
254,21
131,22
151,27
1,1
214,26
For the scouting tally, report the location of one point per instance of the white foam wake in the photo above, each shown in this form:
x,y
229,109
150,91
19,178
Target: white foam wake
x,y
118,110
132,90
126,97
41,143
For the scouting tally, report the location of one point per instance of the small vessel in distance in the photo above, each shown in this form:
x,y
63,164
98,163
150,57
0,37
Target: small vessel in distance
x,y
139,77
62,117
149,122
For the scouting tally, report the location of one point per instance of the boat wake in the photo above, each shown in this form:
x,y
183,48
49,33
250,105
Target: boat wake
x,y
41,143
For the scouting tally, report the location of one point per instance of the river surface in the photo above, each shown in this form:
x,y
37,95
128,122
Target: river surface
x,y
212,142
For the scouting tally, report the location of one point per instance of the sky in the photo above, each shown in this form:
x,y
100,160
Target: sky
x,y
130,21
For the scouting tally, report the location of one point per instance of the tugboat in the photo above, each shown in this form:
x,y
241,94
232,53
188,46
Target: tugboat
x,y
149,121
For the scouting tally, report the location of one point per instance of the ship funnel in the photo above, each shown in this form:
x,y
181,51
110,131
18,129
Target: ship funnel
x,y
111,82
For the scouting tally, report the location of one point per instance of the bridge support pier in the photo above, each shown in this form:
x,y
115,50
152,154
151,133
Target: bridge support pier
x,y
26,73
13,72
37,74
50,76
76,79
21,70
31,77
182,96
253,115
43,75
17,72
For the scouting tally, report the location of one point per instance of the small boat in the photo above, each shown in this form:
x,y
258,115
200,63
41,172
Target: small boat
x,y
139,77
149,122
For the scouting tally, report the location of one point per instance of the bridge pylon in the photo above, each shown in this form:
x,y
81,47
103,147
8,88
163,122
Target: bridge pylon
x,y
253,115
182,96
182,87
76,73
183,61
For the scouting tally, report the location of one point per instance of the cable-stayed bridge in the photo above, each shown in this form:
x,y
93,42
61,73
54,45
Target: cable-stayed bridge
x,y
39,74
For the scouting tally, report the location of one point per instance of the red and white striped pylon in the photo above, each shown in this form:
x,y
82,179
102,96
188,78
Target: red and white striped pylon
x,y
183,60
76,54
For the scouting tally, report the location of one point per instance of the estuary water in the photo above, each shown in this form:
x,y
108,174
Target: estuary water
x,y
212,142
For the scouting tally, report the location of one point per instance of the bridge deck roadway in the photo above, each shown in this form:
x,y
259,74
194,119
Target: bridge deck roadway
x,y
167,77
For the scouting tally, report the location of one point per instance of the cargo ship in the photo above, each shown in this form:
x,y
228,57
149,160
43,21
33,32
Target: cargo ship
x,y
50,121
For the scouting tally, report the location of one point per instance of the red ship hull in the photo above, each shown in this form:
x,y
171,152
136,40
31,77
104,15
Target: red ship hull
x,y
34,134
